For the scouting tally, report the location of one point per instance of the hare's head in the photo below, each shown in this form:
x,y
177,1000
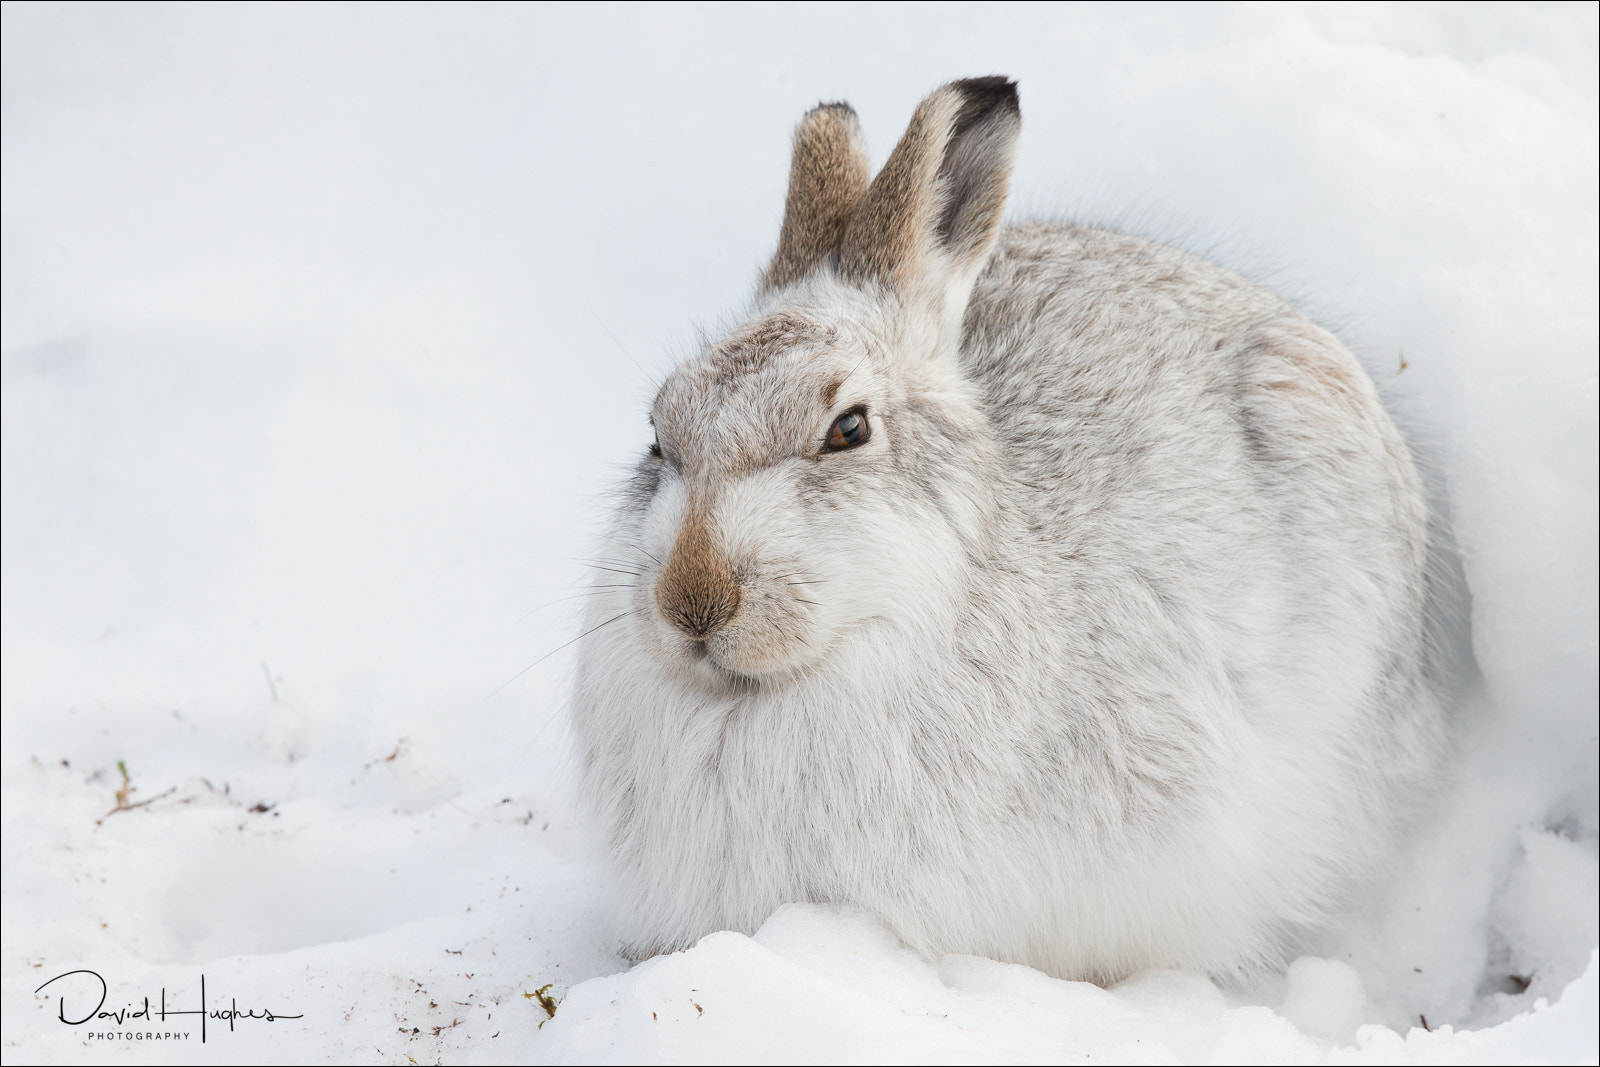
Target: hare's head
x,y
822,473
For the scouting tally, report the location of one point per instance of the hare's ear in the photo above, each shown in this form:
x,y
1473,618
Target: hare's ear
x,y
826,181
930,218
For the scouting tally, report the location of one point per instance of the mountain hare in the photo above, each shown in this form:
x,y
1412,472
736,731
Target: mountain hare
x,y
1056,595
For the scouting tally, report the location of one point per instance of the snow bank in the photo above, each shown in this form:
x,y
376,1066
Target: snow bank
x,y
325,330
831,985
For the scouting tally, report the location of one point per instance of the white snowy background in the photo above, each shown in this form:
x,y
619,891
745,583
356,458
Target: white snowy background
x,y
327,327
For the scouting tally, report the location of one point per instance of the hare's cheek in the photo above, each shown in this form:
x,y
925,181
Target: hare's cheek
x,y
769,546
650,543
775,632
664,516
905,565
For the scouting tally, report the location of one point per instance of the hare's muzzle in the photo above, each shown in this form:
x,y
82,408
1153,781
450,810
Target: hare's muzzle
x,y
697,592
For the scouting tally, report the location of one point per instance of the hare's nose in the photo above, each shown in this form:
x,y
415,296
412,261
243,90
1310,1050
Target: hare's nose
x,y
697,592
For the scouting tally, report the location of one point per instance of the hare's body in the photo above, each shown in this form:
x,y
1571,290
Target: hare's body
x,y
1094,643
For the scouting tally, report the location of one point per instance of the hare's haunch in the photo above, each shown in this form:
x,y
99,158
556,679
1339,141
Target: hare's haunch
x,y
1054,594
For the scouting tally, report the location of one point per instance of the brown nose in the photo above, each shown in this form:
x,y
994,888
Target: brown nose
x,y
697,592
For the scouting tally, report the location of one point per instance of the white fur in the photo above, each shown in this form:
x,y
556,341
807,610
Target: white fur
x,y
1109,650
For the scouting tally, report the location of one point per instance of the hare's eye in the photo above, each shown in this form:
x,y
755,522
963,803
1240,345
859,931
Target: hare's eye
x,y
848,431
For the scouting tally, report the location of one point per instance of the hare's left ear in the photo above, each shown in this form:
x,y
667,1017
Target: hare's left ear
x,y
929,221
826,180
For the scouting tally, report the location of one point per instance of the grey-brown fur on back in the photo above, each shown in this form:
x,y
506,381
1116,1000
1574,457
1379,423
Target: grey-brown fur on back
x,y
1168,370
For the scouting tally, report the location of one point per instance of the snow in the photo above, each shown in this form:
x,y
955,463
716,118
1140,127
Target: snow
x,y
326,330
819,985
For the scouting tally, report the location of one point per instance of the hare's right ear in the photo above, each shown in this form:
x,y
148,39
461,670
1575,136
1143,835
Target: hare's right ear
x,y
826,180
928,223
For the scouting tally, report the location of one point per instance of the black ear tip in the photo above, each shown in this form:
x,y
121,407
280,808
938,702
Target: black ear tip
x,y
984,95
839,106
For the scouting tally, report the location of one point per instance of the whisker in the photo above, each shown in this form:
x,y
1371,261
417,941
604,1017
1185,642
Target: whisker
x,y
857,367
595,591
799,599
602,324
552,652
601,561
805,581
613,570
643,551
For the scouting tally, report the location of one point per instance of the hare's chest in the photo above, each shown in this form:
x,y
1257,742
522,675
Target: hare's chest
x,y
793,804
